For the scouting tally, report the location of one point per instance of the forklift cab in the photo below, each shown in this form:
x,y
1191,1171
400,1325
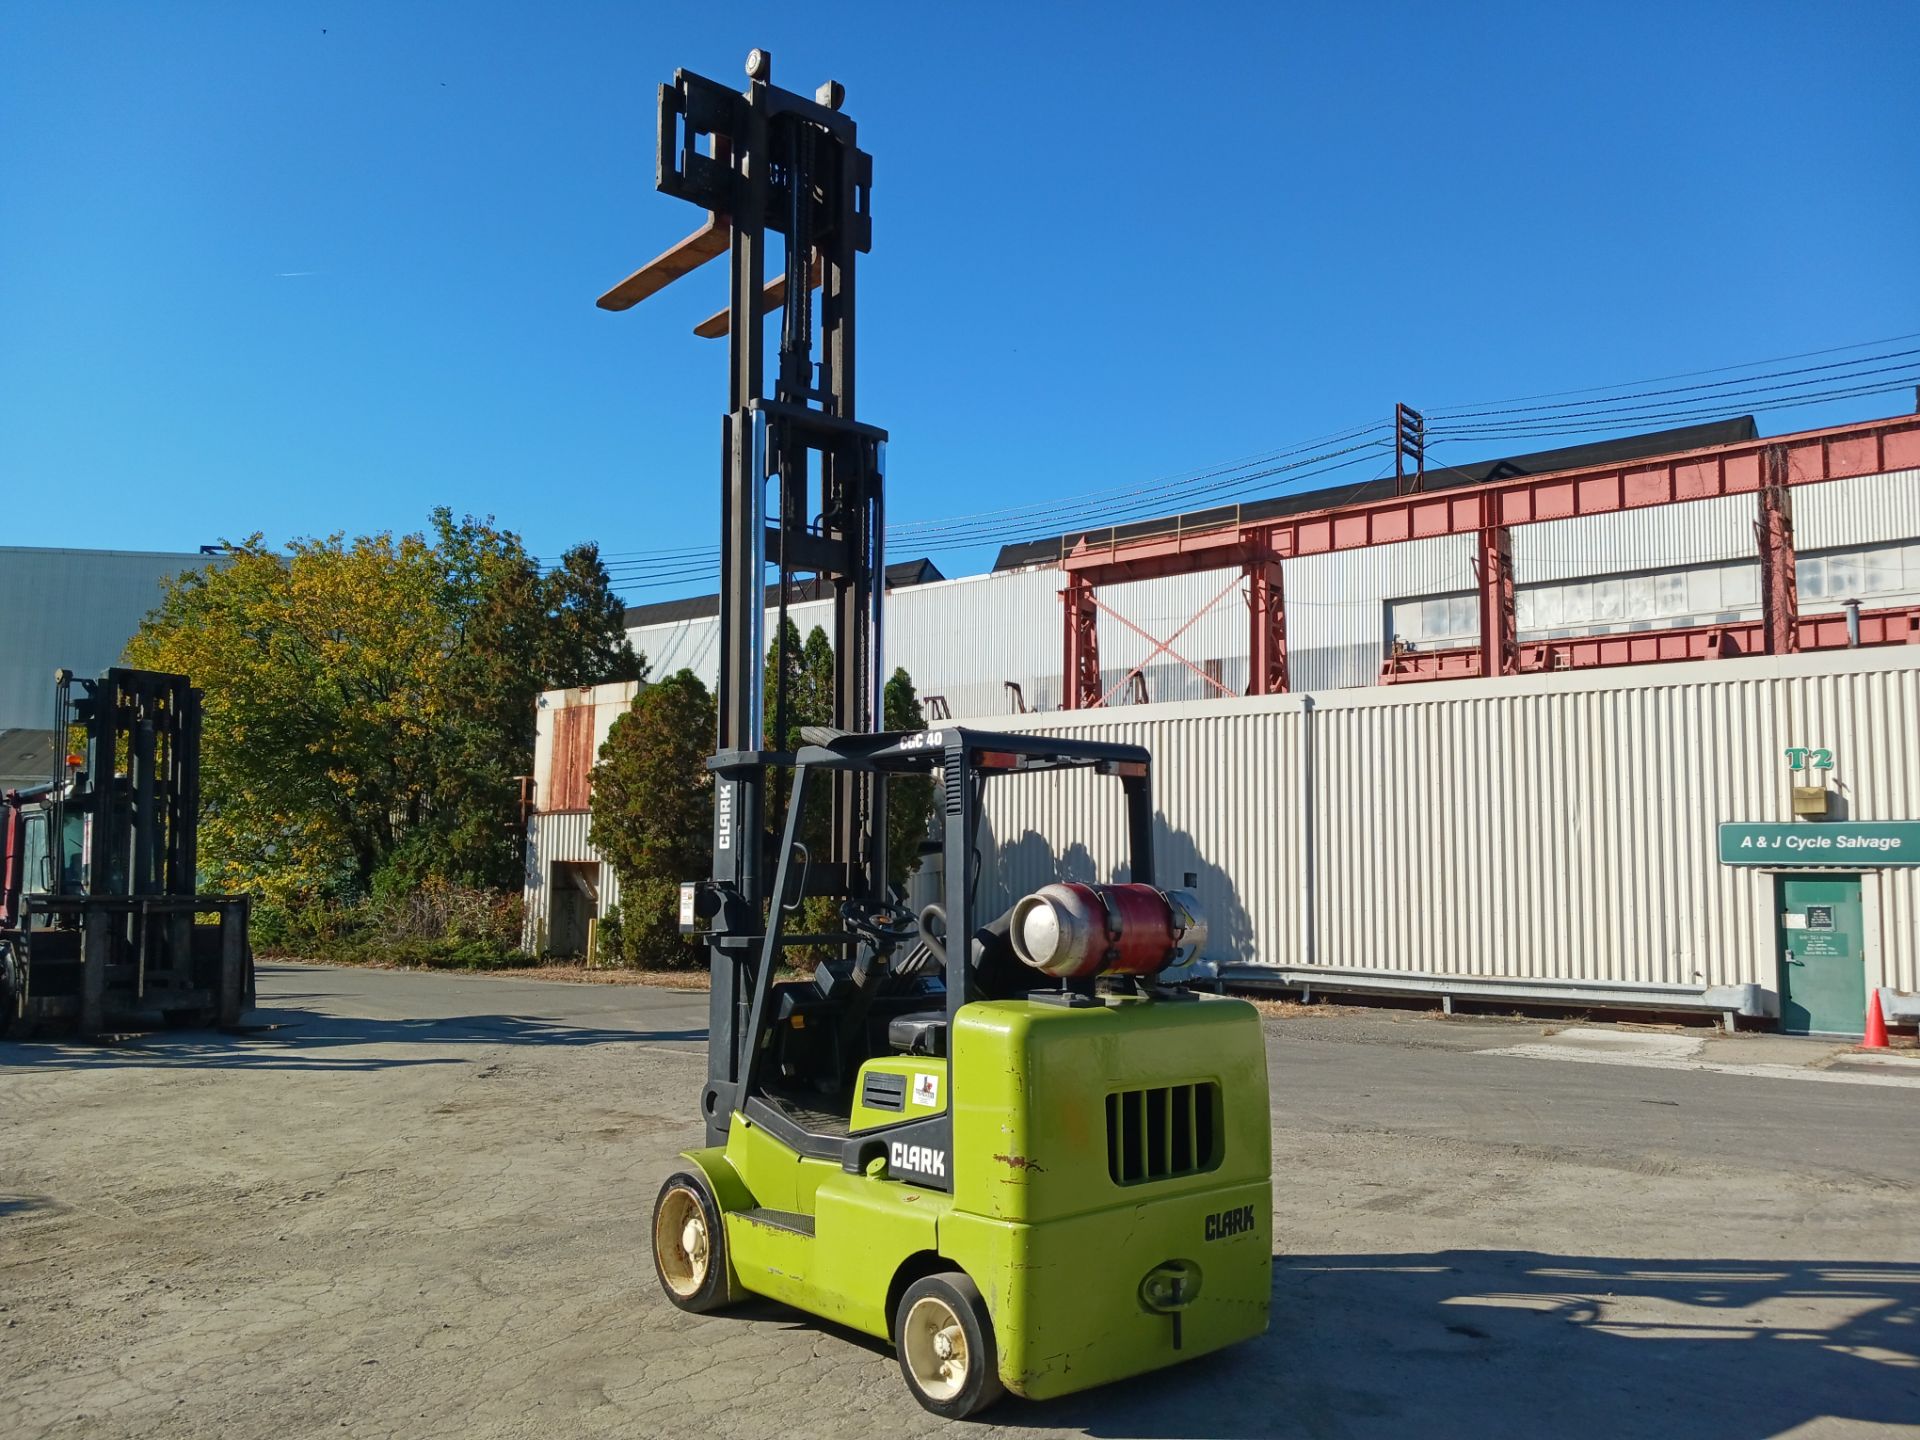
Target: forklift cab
x,y
36,866
41,858
841,1065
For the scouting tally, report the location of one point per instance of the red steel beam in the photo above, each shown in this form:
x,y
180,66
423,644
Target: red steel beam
x,y
1499,631
1867,448
1773,532
1082,690
1267,619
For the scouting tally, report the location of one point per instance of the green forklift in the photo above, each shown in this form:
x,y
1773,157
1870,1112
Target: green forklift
x,y
1013,1145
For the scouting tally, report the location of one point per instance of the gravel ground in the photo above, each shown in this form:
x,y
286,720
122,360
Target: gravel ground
x,y
415,1205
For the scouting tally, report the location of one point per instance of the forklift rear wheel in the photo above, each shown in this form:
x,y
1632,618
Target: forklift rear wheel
x,y
945,1338
690,1244
11,1002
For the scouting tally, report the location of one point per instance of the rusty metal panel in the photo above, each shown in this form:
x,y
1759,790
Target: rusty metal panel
x,y
572,759
570,726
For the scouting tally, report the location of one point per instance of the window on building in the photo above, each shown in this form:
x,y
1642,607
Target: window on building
x,y
1662,599
1695,595
1877,574
1434,621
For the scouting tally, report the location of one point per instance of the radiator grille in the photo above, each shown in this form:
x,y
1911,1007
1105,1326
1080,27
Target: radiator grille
x,y
1163,1132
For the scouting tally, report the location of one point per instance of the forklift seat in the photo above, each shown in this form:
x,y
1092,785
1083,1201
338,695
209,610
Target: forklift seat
x,y
922,1033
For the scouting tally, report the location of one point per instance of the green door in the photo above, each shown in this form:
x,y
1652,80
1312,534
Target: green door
x,y
1823,972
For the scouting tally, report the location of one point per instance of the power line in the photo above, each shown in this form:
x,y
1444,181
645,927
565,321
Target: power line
x,y
1733,400
1682,375
1575,406
1615,408
1589,425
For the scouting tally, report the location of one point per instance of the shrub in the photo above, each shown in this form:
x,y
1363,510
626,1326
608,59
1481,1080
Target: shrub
x,y
436,924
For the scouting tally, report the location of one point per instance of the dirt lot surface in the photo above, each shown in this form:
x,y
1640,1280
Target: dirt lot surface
x,y
415,1205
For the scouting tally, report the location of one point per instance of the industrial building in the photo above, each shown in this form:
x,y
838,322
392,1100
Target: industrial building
x,y
66,609
1476,739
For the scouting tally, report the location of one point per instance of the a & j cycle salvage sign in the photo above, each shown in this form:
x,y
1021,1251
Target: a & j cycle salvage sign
x,y
1850,843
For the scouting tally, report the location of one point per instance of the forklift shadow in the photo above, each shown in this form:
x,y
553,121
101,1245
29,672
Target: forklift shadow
x,y
289,1037
1488,1343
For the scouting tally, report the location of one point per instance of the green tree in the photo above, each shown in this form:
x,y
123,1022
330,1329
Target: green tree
x,y
653,813
369,702
909,797
810,672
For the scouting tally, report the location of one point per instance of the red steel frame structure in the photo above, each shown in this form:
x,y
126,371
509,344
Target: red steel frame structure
x,y
1767,469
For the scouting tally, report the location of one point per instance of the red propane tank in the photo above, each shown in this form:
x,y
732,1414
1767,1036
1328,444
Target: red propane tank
x,y
1073,931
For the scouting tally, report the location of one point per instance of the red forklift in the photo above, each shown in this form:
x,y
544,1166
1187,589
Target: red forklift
x,y
102,925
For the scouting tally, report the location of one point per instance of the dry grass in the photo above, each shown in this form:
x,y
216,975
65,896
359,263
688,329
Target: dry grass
x,y
560,972
568,974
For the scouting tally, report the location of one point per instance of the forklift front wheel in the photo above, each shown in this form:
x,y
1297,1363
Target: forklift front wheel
x,y
690,1244
945,1339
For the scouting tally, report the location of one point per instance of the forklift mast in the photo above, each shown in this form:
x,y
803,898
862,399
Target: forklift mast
x,y
100,908
872,1130
140,807
801,491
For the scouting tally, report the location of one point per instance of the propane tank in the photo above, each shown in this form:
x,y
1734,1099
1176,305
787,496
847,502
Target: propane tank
x,y
1073,931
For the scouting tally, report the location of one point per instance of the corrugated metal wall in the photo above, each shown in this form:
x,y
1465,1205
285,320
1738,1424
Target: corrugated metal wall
x,y
72,609
1336,605
1694,533
553,839
1535,829
1869,511
965,639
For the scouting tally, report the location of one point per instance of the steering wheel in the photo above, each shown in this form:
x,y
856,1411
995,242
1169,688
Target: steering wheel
x,y
882,926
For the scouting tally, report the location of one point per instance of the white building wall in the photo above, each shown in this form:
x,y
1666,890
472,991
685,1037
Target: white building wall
x,y
1696,532
1868,511
1336,605
73,610
1533,829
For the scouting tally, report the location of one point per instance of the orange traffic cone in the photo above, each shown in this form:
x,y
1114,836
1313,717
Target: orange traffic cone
x,y
1876,1037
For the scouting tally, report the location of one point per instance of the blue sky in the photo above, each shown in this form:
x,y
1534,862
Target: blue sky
x,y
299,268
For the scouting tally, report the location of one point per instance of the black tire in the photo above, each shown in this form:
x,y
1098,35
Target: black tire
x,y
11,999
923,1325
690,1244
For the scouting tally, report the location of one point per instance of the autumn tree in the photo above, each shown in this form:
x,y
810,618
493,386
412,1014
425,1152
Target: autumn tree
x,y
368,702
652,802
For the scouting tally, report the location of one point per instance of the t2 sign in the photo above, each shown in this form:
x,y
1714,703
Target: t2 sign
x,y
1802,757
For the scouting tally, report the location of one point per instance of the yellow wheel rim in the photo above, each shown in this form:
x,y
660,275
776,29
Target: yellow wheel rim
x,y
935,1347
681,1245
